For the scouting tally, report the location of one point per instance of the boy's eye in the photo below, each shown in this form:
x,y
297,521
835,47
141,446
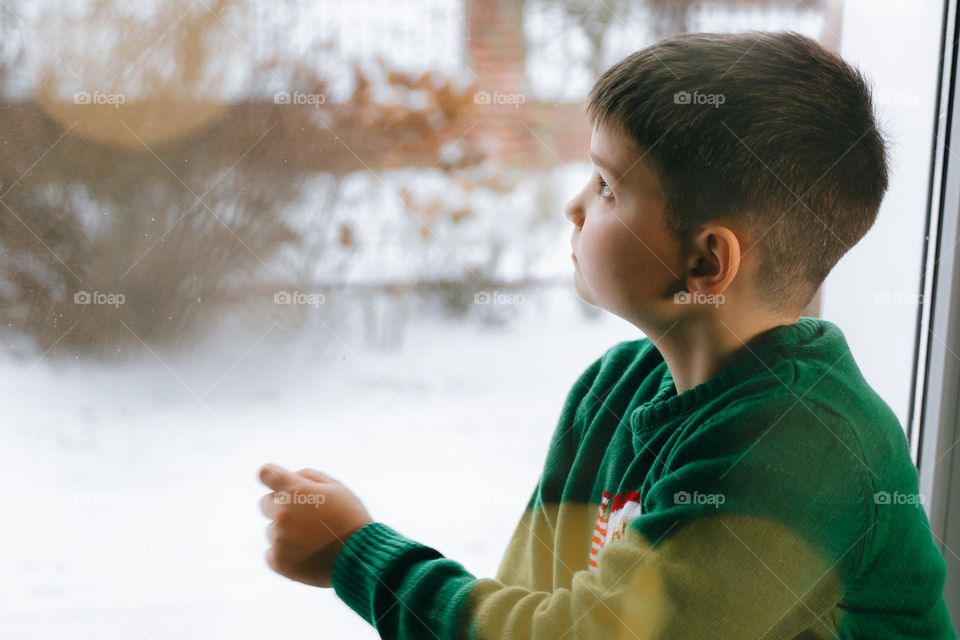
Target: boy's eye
x,y
605,190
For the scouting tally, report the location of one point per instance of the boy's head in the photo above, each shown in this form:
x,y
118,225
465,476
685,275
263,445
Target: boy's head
x,y
743,165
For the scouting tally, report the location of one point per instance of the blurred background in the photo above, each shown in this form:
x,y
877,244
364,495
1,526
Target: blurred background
x,y
331,234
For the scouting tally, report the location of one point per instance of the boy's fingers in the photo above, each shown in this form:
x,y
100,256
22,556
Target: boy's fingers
x,y
277,478
316,476
269,505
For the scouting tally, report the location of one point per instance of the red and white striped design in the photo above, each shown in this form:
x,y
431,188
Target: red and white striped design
x,y
599,532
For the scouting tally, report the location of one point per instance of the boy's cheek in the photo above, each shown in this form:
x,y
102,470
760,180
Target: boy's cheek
x,y
597,243
608,275
633,274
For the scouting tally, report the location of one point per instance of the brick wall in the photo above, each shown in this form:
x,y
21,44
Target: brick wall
x,y
518,129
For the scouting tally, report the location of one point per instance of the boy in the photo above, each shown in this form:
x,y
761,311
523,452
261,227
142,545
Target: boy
x,y
730,476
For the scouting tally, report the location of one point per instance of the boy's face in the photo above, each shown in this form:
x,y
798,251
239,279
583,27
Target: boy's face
x,y
625,259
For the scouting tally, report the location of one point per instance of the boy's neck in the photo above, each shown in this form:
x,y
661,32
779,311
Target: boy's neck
x,y
697,350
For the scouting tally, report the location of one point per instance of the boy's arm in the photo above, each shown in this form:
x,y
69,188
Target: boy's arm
x,y
716,578
730,545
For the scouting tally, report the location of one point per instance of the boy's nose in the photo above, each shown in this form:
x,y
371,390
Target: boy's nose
x,y
574,212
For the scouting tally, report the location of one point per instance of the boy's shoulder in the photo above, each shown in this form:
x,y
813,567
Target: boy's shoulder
x,y
808,366
806,374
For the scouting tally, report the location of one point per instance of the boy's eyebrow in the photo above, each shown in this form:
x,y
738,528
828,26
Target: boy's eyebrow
x,y
599,161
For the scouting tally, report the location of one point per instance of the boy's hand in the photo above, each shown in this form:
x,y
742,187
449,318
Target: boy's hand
x,y
313,515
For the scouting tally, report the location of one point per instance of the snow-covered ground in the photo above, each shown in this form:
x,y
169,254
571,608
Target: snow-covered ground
x,y
130,498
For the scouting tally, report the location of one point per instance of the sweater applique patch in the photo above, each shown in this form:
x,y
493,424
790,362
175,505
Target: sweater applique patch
x,y
613,515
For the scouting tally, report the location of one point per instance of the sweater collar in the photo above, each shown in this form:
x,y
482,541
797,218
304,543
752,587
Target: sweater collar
x,y
666,403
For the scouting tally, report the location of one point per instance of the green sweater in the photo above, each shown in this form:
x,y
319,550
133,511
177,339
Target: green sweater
x,y
777,500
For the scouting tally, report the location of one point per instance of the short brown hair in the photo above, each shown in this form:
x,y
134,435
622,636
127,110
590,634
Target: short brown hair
x,y
741,126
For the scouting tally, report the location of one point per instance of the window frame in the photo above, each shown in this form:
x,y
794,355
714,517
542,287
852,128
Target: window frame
x,y
934,426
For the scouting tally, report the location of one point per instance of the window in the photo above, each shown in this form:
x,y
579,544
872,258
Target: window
x,y
330,234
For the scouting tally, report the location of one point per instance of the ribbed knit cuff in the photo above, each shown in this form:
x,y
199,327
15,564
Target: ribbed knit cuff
x,y
363,559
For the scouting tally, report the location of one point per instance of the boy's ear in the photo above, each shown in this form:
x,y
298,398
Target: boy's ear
x,y
714,260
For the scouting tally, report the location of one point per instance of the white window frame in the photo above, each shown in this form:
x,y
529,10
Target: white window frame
x,y
934,429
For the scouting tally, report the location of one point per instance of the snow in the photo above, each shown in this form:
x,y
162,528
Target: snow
x,y
131,499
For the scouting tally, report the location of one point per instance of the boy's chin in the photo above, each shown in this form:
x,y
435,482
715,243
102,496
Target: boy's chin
x,y
582,291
